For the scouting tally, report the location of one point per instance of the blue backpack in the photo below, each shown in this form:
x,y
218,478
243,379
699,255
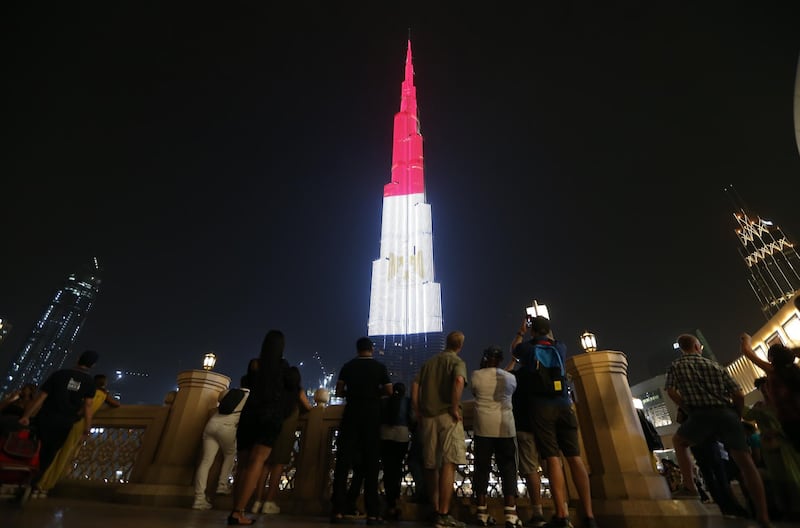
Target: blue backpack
x,y
549,374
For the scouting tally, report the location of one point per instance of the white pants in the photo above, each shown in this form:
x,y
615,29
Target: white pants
x,y
219,433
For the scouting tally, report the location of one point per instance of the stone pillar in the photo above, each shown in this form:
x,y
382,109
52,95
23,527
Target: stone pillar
x,y
626,492
315,461
179,447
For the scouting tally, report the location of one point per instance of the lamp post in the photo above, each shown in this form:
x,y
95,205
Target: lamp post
x,y
588,342
209,360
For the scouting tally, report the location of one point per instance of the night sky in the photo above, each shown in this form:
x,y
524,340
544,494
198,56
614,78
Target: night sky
x,y
227,168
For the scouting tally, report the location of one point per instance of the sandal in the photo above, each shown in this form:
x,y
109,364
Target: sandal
x,y
241,520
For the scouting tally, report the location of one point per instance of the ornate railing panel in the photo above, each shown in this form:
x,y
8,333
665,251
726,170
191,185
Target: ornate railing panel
x,y
107,455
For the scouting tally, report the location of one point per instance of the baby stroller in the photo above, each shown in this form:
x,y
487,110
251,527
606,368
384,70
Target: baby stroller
x,y
19,462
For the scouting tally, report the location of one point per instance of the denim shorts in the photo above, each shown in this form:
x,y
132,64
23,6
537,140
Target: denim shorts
x,y
722,423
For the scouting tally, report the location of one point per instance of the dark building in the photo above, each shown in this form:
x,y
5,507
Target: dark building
x,y
403,355
51,340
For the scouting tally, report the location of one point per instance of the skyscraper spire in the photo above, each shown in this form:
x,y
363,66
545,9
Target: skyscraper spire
x,y
405,312
407,169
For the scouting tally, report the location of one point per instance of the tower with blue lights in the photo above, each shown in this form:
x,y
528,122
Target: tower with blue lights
x,y
405,312
51,340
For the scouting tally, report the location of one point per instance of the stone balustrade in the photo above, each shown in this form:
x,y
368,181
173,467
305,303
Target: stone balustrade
x,y
148,454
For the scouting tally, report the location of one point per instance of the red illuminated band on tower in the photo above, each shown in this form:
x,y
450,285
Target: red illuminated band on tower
x,y
407,171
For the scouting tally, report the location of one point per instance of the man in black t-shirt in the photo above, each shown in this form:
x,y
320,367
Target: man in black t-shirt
x,y
63,399
362,381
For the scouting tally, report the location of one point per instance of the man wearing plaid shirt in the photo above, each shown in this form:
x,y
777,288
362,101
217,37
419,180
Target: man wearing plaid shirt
x,y
714,403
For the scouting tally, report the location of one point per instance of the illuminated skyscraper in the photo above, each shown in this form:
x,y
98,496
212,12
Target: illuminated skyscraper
x,y
405,312
770,257
52,337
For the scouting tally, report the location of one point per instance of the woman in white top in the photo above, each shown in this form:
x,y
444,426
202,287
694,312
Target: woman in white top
x,y
495,433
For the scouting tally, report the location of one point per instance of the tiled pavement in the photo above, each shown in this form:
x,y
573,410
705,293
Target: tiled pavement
x,y
58,512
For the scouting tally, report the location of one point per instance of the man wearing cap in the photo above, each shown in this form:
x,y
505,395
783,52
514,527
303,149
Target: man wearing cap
x,y
64,398
493,388
555,426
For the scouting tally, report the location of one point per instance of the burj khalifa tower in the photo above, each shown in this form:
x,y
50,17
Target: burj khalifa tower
x,y
405,312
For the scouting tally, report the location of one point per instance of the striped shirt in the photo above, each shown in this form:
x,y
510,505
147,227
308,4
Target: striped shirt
x,y
701,382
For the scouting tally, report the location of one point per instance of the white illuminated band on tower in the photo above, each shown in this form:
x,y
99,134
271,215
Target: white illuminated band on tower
x,y
404,298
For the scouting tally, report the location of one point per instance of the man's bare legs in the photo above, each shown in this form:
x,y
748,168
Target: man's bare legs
x,y
432,481
534,484
446,477
580,477
753,483
681,446
558,486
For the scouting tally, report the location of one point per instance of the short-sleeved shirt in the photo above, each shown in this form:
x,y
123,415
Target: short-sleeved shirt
x,y
364,378
436,382
66,392
493,389
701,382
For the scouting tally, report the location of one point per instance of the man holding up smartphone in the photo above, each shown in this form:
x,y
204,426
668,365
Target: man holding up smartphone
x,y
554,424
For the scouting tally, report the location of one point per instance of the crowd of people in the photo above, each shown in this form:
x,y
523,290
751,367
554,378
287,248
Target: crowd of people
x,y
524,420
720,440
61,412
517,418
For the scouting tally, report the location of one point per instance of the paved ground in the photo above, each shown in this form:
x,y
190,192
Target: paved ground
x,y
69,513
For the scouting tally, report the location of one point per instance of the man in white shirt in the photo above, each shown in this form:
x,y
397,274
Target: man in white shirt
x,y
495,434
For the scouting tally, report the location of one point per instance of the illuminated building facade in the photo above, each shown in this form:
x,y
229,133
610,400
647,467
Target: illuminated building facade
x,y
781,328
770,257
53,335
405,312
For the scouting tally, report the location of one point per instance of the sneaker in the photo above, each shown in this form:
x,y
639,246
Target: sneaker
x,y
201,503
270,507
558,522
685,494
256,507
445,520
514,524
484,519
224,490
536,521
590,522
354,514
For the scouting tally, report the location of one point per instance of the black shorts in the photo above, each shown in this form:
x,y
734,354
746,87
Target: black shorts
x,y
254,430
555,428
